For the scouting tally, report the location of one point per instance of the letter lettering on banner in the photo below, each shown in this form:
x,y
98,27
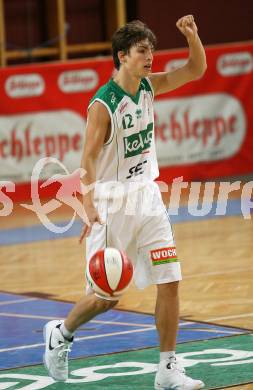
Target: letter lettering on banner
x,y
3,144
176,129
50,146
199,129
63,145
16,146
195,125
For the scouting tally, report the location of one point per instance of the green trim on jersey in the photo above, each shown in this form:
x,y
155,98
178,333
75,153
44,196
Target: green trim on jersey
x,y
123,93
111,117
147,86
144,85
108,95
112,94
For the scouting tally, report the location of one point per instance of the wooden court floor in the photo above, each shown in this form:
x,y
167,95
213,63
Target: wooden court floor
x,y
216,256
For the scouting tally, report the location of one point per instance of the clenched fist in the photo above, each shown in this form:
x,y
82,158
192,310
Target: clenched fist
x,y
187,27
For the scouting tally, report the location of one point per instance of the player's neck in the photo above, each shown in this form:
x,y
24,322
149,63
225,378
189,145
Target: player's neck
x,y
127,82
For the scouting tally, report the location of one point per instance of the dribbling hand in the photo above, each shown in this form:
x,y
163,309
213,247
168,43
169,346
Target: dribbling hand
x,y
93,217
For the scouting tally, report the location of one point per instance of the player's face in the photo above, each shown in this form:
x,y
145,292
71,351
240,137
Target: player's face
x,y
139,59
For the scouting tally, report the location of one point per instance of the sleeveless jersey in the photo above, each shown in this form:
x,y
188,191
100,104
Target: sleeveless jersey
x,y
129,154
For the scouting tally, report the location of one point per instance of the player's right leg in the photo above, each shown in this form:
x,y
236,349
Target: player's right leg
x,y
57,346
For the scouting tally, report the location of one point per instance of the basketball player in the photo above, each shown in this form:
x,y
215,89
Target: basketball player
x,y
120,148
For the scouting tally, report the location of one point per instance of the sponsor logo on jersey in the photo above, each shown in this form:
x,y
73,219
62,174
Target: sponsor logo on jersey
x,y
24,85
78,80
136,143
123,107
137,169
233,64
138,113
163,255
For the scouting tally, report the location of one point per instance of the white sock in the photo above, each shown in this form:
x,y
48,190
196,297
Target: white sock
x,y
167,355
65,332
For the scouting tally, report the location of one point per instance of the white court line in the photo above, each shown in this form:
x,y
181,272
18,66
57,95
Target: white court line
x,y
230,317
93,321
218,272
21,347
18,301
29,316
61,318
79,339
122,323
144,328
216,331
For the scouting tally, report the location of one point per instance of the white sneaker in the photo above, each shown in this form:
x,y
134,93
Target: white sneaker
x,y
171,376
56,351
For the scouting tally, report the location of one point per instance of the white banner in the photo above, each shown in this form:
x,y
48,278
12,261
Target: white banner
x,y
199,128
26,138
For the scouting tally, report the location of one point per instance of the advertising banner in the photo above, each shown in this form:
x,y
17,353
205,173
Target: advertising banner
x,y
203,130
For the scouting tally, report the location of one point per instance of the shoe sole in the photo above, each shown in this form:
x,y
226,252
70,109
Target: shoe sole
x,y
44,358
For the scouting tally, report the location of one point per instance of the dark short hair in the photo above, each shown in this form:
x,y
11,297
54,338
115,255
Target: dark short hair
x,y
128,36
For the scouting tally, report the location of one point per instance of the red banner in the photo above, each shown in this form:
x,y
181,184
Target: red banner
x,y
203,130
210,120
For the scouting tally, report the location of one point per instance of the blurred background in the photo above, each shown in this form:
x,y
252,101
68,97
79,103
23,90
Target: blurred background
x,y
54,55
43,30
203,129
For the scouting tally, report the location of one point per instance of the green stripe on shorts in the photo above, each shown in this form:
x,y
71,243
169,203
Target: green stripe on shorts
x,y
164,261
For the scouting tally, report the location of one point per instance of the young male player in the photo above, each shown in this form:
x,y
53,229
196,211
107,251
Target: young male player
x,y
119,148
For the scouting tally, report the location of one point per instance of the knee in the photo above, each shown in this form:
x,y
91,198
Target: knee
x,y
105,305
168,290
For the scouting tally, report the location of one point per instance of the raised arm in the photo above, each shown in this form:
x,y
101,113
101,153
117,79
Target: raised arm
x,y
97,131
194,68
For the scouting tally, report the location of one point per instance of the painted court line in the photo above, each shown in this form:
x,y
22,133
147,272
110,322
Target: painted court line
x,y
62,318
6,385
21,347
230,317
93,321
217,331
121,323
18,301
115,333
79,339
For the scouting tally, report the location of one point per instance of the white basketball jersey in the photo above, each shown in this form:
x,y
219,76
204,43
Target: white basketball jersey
x,y
129,154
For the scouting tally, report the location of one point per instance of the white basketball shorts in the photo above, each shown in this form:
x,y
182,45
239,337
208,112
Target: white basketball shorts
x,y
139,225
